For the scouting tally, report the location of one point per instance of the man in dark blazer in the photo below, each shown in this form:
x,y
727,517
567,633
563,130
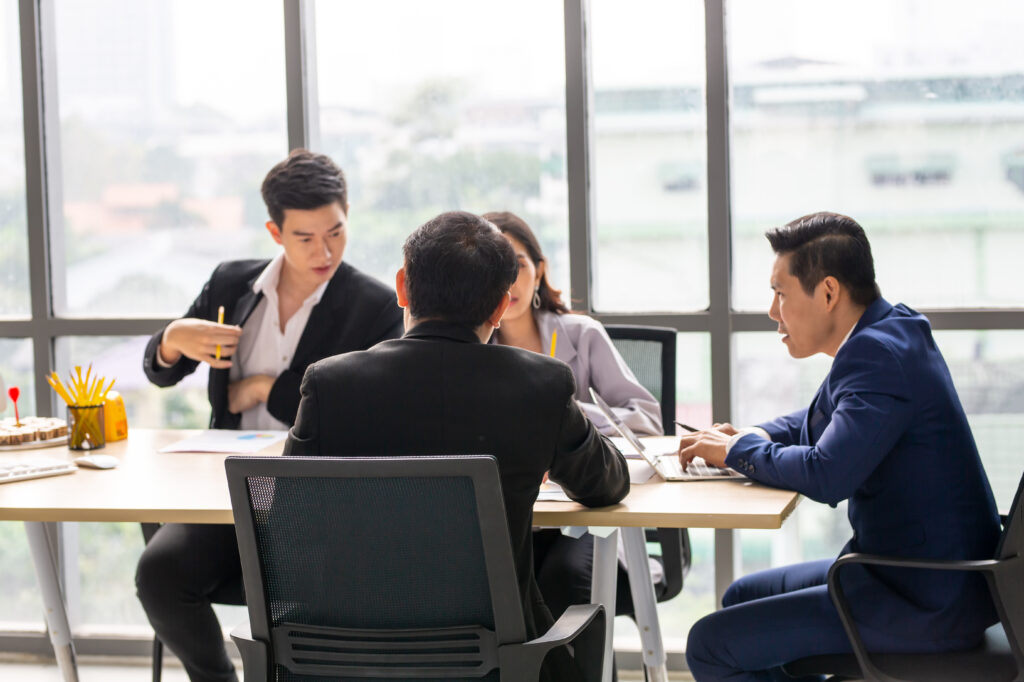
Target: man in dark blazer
x,y
441,389
885,431
279,316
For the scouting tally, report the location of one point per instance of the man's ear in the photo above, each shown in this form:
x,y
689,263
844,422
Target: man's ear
x,y
831,291
274,230
403,295
495,319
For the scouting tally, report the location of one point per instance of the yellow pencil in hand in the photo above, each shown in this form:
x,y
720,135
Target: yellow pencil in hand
x,y
220,320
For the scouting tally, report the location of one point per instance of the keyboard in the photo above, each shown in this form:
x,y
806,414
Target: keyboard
x,y
697,470
35,467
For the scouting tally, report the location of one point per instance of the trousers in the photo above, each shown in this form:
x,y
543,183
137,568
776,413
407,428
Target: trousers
x,y
780,615
183,570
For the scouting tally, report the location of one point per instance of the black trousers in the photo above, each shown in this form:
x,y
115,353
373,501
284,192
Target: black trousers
x,y
182,571
564,567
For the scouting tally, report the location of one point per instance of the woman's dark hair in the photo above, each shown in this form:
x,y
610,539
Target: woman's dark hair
x,y
514,226
305,181
457,268
823,244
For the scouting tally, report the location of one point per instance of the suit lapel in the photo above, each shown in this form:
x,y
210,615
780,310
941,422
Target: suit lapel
x,y
314,337
246,304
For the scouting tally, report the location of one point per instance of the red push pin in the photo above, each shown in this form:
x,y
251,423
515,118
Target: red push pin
x,y
14,392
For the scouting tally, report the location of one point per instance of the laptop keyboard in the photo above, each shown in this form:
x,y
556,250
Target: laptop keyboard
x,y
38,467
669,465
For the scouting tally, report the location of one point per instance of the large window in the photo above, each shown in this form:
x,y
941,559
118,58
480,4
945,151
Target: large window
x,y
906,115
649,156
166,131
14,290
463,109
159,120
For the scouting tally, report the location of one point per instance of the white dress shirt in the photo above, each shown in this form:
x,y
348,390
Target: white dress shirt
x,y
264,348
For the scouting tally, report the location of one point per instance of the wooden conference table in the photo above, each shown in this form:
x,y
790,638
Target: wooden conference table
x,y
150,486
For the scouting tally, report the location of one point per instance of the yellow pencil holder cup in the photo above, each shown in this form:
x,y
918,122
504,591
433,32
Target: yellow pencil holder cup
x,y
86,427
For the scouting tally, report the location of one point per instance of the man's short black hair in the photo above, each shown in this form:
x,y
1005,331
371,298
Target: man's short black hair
x,y
823,244
305,181
458,267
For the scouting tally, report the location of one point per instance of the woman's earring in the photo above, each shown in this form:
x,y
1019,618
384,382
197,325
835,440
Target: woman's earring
x,y
536,297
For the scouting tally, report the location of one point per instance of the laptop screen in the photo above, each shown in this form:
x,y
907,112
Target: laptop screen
x,y
621,427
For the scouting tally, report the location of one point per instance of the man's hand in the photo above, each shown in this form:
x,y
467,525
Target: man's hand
x,y
709,444
249,392
198,339
727,429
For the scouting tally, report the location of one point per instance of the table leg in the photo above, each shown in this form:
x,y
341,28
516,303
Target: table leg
x,y
44,558
644,604
602,591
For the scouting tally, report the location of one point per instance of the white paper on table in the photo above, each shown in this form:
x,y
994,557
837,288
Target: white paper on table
x,y
227,441
552,492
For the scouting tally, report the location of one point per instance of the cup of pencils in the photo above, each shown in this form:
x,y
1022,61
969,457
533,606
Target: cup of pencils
x,y
84,397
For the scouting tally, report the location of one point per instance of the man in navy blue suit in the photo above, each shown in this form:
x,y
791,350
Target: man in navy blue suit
x,y
885,431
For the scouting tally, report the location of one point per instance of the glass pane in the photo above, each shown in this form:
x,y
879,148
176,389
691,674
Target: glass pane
x,y
693,406
650,155
988,370
14,290
162,163
469,114
897,113
21,606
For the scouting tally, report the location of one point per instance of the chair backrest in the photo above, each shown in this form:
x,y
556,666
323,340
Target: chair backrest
x,y
376,567
650,352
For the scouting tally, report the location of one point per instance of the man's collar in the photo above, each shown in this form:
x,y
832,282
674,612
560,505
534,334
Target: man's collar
x,y
878,309
270,278
442,329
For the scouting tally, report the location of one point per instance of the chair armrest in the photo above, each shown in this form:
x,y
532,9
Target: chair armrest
x,y
254,653
835,591
572,623
583,624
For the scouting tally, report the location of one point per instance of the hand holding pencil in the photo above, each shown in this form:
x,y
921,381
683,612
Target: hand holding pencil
x,y
201,340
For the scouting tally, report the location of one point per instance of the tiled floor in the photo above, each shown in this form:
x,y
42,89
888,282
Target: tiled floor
x,y
26,669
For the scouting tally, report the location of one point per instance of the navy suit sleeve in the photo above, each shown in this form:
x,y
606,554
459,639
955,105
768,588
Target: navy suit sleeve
x,y
587,466
786,429
873,410
304,436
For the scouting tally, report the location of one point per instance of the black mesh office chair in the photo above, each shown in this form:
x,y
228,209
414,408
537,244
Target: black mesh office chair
x,y
650,352
999,658
386,567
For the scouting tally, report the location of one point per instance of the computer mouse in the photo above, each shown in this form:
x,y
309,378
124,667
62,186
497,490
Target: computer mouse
x,y
97,461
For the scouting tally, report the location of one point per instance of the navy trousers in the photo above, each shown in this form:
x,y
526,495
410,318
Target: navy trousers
x,y
770,618
780,615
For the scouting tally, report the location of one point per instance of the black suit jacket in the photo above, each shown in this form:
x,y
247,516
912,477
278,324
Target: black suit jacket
x,y
355,312
439,391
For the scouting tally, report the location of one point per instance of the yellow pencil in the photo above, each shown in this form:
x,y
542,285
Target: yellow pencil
x,y
220,320
554,342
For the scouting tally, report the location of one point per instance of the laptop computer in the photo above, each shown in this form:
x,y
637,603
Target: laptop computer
x,y
665,464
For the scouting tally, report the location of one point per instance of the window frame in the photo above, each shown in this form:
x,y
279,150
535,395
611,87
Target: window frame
x,y
719,321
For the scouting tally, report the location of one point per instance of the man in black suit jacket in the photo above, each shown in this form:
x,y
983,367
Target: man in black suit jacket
x,y
442,390
280,316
